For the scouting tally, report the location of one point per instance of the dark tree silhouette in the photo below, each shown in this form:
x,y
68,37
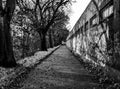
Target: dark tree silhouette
x,y
45,13
6,50
49,12
59,27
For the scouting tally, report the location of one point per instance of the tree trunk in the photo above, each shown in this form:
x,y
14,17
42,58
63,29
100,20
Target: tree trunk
x,y
50,39
6,49
40,35
2,53
43,42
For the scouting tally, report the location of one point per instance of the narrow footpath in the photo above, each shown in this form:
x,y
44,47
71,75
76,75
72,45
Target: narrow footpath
x,y
61,70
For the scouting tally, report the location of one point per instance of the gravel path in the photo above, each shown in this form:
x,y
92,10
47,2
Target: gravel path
x,y
59,71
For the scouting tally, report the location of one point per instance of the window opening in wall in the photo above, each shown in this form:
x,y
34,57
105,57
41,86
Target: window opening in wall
x,y
93,21
82,29
86,26
107,12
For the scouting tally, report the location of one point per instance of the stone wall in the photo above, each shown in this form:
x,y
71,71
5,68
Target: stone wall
x,y
97,42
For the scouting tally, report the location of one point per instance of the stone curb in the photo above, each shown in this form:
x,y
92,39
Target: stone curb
x,y
20,71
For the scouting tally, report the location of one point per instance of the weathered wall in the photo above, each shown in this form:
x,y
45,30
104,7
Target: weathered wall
x,y
97,42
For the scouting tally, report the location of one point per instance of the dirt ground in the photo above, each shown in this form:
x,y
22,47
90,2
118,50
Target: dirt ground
x,y
61,70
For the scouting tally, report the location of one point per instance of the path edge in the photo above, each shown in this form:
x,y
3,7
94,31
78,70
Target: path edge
x,y
22,71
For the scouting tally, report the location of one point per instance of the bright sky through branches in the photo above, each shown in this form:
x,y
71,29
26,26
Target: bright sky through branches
x,y
77,9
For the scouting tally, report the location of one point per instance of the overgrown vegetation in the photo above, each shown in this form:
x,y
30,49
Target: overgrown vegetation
x,y
30,25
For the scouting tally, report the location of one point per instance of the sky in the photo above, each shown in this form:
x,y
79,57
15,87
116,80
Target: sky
x,y
77,9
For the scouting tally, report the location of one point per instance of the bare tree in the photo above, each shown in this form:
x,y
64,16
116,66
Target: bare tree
x,y
49,12
45,13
